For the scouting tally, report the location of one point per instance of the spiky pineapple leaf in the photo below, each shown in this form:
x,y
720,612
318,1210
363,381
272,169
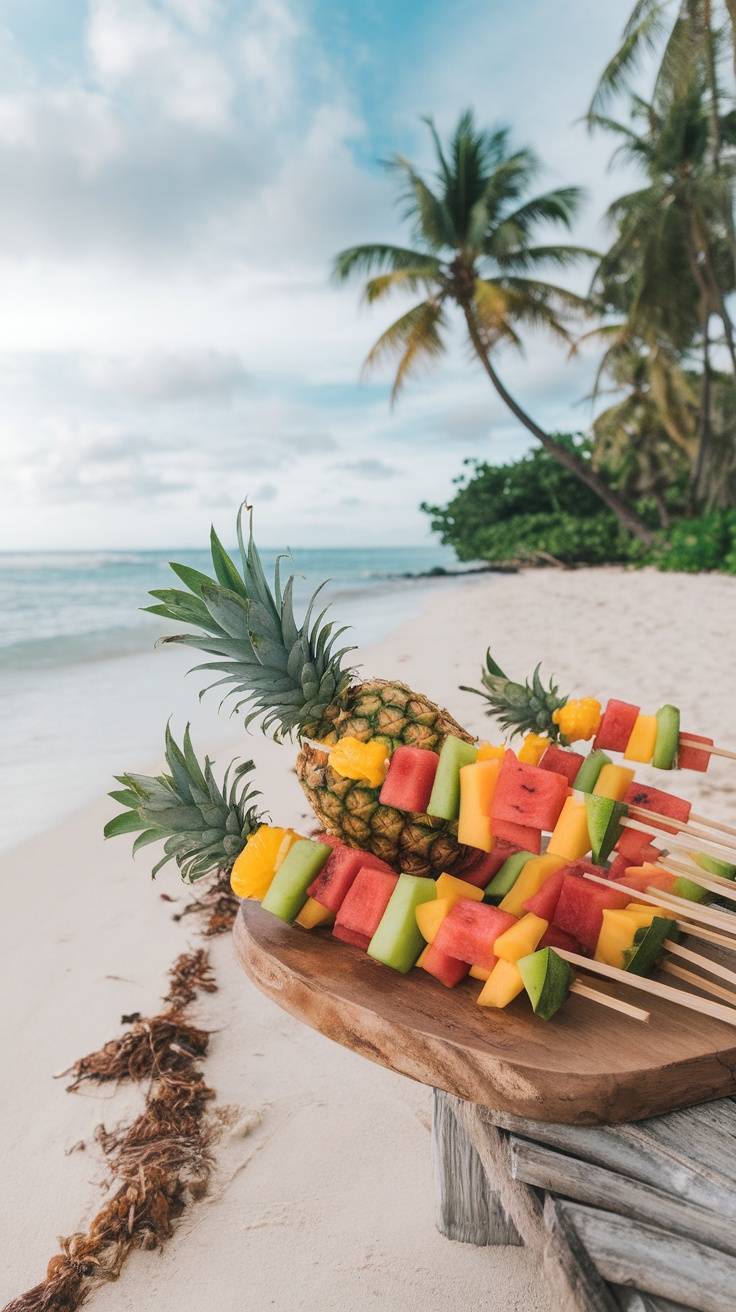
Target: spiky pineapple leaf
x,y
519,708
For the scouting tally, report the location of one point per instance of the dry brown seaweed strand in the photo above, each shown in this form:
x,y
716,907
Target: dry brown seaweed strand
x,y
218,902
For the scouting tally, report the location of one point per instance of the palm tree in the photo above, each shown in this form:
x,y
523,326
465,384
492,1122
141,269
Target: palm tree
x,y
474,236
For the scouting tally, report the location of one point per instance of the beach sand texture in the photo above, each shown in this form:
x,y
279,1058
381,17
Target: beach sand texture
x,y
323,1195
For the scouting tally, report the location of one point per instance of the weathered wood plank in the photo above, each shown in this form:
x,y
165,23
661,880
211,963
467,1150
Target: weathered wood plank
x,y
631,1300
467,1208
653,1260
567,1262
586,1183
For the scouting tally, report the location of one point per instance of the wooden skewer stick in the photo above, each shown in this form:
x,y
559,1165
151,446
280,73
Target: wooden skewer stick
x,y
706,1008
703,881
680,868
707,935
711,824
687,840
704,963
707,985
626,1009
703,747
659,821
723,920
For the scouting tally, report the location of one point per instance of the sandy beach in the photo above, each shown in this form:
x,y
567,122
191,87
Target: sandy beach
x,y
323,1195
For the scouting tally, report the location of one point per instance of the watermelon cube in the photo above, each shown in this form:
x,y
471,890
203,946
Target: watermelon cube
x,y
448,970
631,842
557,938
408,784
364,904
654,799
644,877
560,761
616,725
526,795
544,903
484,866
691,758
618,868
469,931
522,837
580,908
337,875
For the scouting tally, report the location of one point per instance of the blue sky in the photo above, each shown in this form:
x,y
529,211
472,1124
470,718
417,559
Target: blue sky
x,y
175,177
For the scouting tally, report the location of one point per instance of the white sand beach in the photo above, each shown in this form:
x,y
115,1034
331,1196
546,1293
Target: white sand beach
x,y
323,1194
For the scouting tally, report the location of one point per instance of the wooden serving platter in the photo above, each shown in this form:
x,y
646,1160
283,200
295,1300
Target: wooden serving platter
x,y
588,1066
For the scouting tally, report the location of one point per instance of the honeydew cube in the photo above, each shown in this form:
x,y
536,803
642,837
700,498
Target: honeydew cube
x,y
604,824
398,942
613,781
529,882
477,786
288,892
444,801
547,979
503,985
314,914
587,776
521,939
505,878
643,740
430,914
570,837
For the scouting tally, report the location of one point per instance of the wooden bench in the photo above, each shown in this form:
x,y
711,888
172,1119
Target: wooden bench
x,y
638,1216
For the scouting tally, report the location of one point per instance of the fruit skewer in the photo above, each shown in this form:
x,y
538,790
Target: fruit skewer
x,y
614,1004
694,746
707,985
718,920
679,996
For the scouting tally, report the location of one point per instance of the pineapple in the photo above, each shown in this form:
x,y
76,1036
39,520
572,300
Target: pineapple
x,y
522,708
203,827
294,679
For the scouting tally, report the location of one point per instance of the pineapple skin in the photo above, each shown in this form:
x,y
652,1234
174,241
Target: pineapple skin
x,y
350,810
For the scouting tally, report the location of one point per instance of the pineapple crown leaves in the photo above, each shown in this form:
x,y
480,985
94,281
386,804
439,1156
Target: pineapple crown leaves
x,y
289,674
520,708
203,826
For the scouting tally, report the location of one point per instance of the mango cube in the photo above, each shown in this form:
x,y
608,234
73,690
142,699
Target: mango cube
x,y
477,786
356,760
487,752
642,740
529,882
521,939
618,930
313,914
479,972
430,915
532,749
451,887
502,986
570,837
613,781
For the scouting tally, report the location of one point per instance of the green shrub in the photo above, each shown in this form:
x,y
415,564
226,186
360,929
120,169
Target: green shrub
x,y
708,542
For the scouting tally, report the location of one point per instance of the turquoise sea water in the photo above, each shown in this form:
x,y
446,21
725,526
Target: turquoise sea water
x,y
83,693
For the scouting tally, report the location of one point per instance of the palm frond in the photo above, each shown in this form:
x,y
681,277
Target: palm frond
x,y
402,280
378,257
641,34
426,211
415,339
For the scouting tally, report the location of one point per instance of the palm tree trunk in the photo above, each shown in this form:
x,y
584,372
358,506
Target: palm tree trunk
x,y
703,457
560,453
731,7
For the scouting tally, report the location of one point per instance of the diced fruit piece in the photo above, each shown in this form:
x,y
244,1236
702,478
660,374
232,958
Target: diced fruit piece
x,y
534,874
444,800
526,795
580,908
604,824
640,746
520,939
648,876
469,931
547,979
479,972
522,836
557,938
408,784
313,914
448,970
579,719
532,749
397,942
616,725
617,933
429,916
288,892
614,781
559,761
486,865
487,752
653,799
631,842
587,776
477,786
647,948
365,903
668,736
714,866
570,837
684,887
503,985
454,888
339,871
647,856
256,865
356,760
507,876
544,902
352,936
692,758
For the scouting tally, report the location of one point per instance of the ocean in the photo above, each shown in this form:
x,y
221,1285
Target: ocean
x,y
83,692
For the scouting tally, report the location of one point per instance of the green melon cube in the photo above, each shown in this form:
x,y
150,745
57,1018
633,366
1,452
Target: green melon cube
x,y
713,866
645,951
444,800
587,776
668,738
504,879
288,892
397,942
547,979
604,824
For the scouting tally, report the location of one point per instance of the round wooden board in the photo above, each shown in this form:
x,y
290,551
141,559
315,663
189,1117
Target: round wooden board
x,y
588,1066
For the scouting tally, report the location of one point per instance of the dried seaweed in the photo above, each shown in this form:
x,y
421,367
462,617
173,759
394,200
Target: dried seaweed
x,y
158,1163
218,902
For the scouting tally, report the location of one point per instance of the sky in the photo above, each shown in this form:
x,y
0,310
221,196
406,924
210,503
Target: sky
x,y
176,177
